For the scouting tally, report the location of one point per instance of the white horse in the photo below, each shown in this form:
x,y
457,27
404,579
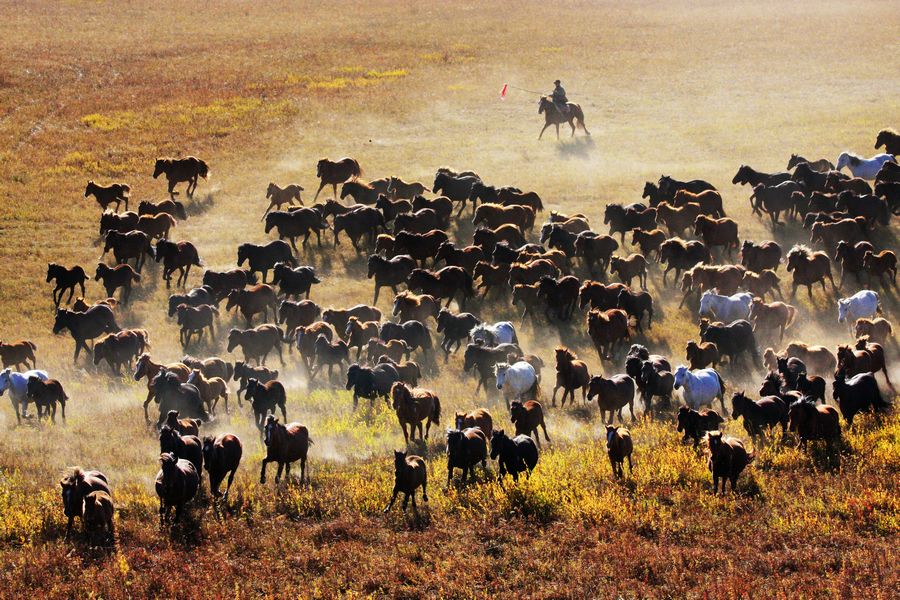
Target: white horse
x,y
861,305
516,380
17,384
502,332
701,387
865,168
725,308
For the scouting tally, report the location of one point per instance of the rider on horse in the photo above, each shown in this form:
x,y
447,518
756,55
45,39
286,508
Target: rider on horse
x,y
559,98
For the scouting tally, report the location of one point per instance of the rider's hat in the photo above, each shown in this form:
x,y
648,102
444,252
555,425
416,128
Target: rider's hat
x,y
556,82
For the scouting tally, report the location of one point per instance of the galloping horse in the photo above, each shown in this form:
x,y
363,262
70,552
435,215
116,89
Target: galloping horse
x,y
552,116
865,168
181,169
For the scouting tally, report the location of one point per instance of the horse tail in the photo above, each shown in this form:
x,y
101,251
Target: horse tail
x,y
792,316
721,385
535,390
579,117
356,171
126,190
435,416
32,344
202,169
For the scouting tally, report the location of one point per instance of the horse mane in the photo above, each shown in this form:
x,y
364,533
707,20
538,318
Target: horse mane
x,y
74,475
800,249
888,131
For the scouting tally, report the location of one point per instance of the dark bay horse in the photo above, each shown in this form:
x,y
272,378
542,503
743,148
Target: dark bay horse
x,y
177,170
552,116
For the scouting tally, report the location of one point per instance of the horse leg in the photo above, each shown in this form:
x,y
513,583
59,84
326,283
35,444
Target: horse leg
x,y
172,191
146,403
393,498
557,131
546,125
318,191
15,406
572,125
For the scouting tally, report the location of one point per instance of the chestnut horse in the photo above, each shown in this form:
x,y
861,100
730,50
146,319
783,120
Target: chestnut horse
x,y
552,116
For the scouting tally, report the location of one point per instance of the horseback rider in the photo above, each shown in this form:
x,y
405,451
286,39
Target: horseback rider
x,y
559,98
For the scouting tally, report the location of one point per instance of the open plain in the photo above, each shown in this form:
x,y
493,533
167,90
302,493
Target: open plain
x,y
262,91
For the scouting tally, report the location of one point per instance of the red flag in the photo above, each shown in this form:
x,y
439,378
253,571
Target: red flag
x,y
503,91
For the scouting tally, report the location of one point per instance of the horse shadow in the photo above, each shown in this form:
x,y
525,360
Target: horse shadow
x,y
578,147
196,207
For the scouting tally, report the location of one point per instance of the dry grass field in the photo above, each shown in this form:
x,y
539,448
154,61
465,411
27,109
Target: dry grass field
x,y
96,90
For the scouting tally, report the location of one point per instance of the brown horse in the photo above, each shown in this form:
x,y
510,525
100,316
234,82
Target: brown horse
x,y
864,357
819,359
156,226
727,458
878,330
480,417
107,194
410,472
113,278
760,284
211,389
66,279
76,485
701,355
279,196
172,207
808,268
571,374
619,447
176,484
772,316
145,367
413,406
635,265
718,232
125,246
608,330
814,422
88,325
284,445
613,394
45,394
495,215
188,169
98,517
677,219
552,116
527,417
177,255
254,300
710,201
18,353
221,457
257,343
119,349
334,172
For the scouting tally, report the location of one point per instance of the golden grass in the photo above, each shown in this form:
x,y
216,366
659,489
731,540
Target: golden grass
x,y
691,90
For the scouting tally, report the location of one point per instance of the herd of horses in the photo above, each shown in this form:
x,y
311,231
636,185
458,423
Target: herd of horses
x,y
552,272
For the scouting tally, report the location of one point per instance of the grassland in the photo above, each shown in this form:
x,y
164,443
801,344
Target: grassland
x,y
91,90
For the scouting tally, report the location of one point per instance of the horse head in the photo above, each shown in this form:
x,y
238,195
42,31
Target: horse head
x,y
500,370
681,376
270,428
160,167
